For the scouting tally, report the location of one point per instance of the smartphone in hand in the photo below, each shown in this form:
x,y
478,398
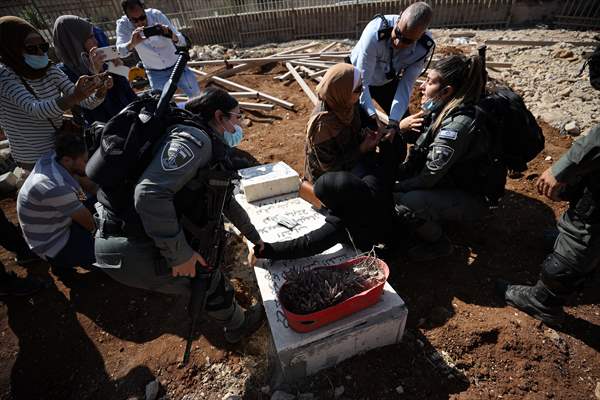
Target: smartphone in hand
x,y
109,52
155,30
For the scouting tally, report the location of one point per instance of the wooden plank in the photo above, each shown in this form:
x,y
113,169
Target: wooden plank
x,y
535,43
334,57
462,34
309,64
306,70
318,73
256,106
244,67
237,86
244,95
244,60
329,46
286,76
313,97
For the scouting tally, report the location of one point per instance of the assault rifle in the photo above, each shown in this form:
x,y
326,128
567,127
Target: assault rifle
x,y
210,242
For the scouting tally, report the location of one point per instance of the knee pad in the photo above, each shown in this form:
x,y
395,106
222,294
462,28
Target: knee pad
x,y
560,276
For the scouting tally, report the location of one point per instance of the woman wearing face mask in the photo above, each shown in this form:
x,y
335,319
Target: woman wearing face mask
x,y
444,176
220,112
34,93
76,46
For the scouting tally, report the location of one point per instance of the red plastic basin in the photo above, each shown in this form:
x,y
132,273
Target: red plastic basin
x,y
309,322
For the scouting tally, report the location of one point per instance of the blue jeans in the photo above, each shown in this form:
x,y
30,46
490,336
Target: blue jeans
x,y
187,83
78,251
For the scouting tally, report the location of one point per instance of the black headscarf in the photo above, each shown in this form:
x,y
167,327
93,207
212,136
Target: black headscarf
x,y
13,31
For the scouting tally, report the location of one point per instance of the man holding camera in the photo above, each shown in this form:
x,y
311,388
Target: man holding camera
x,y
391,54
154,38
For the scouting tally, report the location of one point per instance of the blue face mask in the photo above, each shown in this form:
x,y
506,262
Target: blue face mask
x,y
35,61
233,139
430,106
433,105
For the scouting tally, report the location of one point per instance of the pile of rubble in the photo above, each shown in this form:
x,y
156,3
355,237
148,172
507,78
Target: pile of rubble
x,y
546,75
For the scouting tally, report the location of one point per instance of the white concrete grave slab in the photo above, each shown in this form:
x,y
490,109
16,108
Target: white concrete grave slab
x,y
301,354
269,180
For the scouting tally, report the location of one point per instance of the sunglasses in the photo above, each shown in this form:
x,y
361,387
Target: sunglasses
x,y
33,48
141,18
401,38
240,115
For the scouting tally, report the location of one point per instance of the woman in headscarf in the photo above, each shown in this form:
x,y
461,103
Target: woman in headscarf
x,y
335,139
76,45
34,93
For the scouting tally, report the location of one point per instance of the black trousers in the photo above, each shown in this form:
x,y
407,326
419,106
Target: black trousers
x,y
10,236
10,239
384,96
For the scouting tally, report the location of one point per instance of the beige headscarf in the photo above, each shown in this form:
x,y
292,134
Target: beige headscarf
x,y
336,91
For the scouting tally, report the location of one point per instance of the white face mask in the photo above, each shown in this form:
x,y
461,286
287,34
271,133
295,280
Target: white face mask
x,y
234,138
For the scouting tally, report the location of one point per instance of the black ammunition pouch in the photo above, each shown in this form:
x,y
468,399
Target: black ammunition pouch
x,y
587,208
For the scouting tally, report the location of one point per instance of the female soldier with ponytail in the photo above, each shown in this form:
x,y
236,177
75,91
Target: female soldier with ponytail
x,y
445,174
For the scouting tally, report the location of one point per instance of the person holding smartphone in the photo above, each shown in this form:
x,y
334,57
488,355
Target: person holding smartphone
x,y
77,47
34,93
150,33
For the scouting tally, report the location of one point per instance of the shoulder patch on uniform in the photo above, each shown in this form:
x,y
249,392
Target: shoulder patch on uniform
x,y
448,134
439,156
175,155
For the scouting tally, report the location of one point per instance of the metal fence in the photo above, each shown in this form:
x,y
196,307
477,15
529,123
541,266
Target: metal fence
x,y
580,14
249,22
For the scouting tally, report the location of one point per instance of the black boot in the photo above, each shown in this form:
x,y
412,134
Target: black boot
x,y
537,301
253,319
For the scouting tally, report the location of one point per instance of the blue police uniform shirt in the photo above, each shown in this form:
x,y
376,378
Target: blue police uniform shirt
x,y
372,58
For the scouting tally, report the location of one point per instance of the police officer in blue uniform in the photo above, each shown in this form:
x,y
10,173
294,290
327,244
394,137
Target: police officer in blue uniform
x,y
391,53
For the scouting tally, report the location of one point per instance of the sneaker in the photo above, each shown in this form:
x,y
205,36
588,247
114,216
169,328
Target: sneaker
x,y
253,319
11,285
536,301
428,251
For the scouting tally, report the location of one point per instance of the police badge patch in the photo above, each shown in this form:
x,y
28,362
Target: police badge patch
x,y
440,155
175,155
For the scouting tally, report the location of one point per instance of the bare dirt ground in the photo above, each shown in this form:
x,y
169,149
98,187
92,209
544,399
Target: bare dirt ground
x,y
87,337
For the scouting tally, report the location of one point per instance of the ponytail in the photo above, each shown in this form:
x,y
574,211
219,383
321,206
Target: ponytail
x,y
465,75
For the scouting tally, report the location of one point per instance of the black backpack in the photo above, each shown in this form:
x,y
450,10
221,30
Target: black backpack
x,y
126,142
516,136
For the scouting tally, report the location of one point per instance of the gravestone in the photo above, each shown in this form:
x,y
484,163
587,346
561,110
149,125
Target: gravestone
x,y
298,355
